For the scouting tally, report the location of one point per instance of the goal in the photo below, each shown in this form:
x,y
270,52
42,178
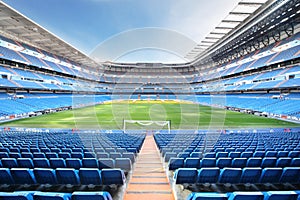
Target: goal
x,y
146,125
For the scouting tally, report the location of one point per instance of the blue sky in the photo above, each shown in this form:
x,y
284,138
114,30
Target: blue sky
x,y
87,23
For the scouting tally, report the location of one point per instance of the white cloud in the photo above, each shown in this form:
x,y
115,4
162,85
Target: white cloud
x,y
196,18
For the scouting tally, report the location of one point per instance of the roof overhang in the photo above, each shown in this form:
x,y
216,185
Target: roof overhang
x,y
16,26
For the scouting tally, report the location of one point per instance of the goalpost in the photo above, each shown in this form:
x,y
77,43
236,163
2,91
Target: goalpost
x,y
146,125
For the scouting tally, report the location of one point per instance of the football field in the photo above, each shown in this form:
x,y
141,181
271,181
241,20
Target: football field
x,y
182,115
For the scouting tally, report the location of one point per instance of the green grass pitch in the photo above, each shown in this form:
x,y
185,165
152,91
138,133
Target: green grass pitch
x,y
182,115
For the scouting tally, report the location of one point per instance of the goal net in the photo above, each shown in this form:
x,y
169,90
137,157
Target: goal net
x,y
146,125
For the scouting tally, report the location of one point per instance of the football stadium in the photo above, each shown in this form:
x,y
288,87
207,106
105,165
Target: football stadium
x,y
204,108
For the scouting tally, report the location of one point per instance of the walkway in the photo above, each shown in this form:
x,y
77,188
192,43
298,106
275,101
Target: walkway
x,y
149,180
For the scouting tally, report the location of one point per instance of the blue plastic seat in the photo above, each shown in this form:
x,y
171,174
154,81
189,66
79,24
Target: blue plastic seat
x,y
106,163
64,155
246,196
23,176
33,150
270,175
281,195
175,163
25,163
207,196
5,176
282,154
235,155
44,150
89,155
295,162
9,163
123,163
209,155
39,155
15,155
73,163
259,154
222,155
67,176
230,175
192,162
290,175
115,155
51,155
254,162
90,176
45,176
52,196
183,155
20,195
239,162
186,175
208,162
41,163
251,175
208,175
113,177
294,154
27,155
129,155
271,154
4,155
110,150
102,155
55,150
91,196
196,155
57,163
246,154
283,162
90,163
223,162
169,155
268,162
67,150
78,155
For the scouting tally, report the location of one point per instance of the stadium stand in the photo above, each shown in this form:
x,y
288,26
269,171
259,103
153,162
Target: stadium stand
x,y
254,70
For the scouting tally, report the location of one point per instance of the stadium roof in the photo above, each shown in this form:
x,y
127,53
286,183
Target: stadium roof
x,y
16,26
245,10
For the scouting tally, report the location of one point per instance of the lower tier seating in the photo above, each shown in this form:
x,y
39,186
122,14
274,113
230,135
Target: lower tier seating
x,y
237,175
270,195
31,195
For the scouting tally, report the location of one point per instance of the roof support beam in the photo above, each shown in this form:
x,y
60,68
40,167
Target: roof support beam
x,y
210,42
217,33
231,21
250,3
225,28
239,13
212,38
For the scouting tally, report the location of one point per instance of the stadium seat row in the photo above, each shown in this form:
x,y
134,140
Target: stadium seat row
x,y
83,176
76,163
270,195
65,155
175,163
233,154
253,175
29,195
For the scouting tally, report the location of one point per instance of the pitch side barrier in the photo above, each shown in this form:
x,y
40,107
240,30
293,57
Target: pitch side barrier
x,y
204,131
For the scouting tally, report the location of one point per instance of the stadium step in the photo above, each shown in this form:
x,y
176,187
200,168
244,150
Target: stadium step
x,y
149,180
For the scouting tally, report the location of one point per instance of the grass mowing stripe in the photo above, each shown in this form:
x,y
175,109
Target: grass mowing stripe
x,y
182,115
